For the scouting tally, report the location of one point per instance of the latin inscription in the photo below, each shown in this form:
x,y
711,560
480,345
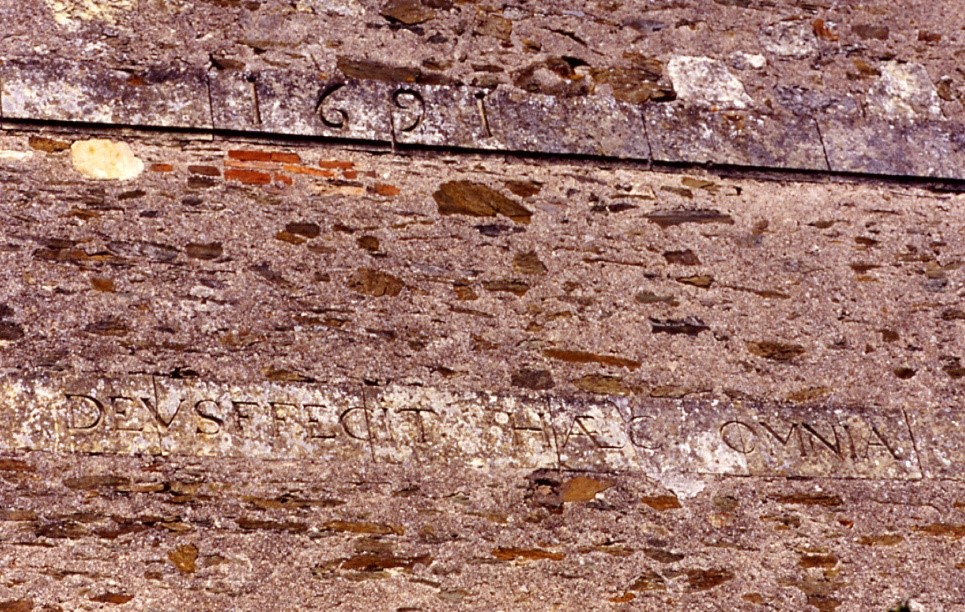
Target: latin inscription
x,y
160,415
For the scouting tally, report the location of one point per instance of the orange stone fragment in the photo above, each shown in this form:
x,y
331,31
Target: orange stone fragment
x,y
249,177
244,155
383,189
308,171
285,158
336,164
526,554
662,502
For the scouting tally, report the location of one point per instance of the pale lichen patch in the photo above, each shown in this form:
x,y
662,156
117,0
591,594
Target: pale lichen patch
x,y
103,159
67,12
905,91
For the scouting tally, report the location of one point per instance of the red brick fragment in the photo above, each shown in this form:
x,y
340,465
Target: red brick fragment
x,y
285,158
162,168
245,155
336,164
383,189
204,170
249,177
309,171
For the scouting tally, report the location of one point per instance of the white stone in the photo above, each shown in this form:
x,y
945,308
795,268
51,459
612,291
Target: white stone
x,y
706,80
793,39
745,61
904,91
103,159
15,155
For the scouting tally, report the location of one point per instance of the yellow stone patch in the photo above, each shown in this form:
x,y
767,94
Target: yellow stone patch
x,y
67,11
105,160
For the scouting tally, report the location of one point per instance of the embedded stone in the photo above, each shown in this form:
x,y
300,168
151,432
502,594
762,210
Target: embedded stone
x,y
107,160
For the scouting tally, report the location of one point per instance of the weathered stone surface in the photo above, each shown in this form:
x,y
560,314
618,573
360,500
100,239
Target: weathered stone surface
x,y
278,232
702,134
61,90
234,100
321,531
897,147
580,125
388,365
548,78
426,374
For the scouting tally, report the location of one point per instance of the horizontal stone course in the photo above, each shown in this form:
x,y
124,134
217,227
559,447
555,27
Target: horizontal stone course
x,y
284,102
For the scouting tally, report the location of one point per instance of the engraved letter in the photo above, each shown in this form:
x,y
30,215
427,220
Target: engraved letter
x,y
813,434
123,414
634,435
156,411
408,99
314,425
420,420
279,414
208,423
483,118
241,412
580,422
883,443
739,436
352,432
784,441
336,118
92,404
541,430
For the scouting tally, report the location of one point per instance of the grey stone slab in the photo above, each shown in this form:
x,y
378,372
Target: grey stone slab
x,y
584,125
301,103
693,133
440,115
61,90
233,100
399,424
930,148
940,439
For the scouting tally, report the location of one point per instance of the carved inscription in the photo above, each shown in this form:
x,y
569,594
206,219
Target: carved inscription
x,y
335,118
405,105
160,415
816,443
410,109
